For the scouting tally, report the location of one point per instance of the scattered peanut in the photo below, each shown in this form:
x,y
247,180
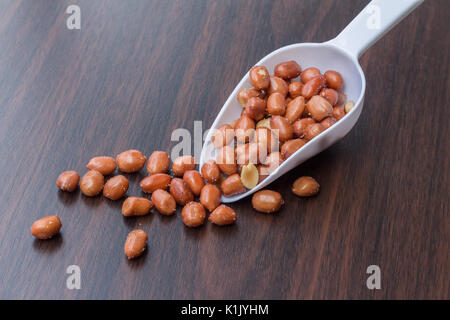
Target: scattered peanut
x,y
210,197
183,164
135,244
92,183
136,206
267,201
116,187
155,181
193,214
158,162
164,202
104,165
68,181
211,171
46,228
305,187
180,191
223,215
194,180
131,161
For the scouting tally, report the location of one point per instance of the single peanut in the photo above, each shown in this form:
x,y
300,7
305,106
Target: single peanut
x,y
226,160
250,153
136,206
276,104
158,162
319,108
244,129
155,181
265,123
92,183
131,161
180,191
305,187
313,130
313,86
194,180
223,136
299,126
46,228
278,85
342,98
287,70
328,122
183,164
68,181
282,128
210,197
295,109
295,89
249,176
135,243
193,214
259,77
349,106
291,146
331,95
338,113
265,139
164,202
267,201
223,215
211,171
334,80
255,109
104,165
232,185
309,73
246,94
116,187
273,161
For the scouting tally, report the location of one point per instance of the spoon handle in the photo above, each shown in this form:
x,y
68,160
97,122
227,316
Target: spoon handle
x,y
373,22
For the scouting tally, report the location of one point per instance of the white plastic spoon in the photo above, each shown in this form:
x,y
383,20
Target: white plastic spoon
x,y
340,54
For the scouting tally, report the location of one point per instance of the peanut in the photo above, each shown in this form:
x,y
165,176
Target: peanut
x,y
158,162
68,181
180,191
183,164
305,187
116,187
210,197
155,181
135,244
267,201
92,183
46,228
223,215
164,202
136,206
193,214
131,161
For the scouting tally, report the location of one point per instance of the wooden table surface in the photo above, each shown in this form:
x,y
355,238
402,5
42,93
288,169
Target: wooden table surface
x,y
139,69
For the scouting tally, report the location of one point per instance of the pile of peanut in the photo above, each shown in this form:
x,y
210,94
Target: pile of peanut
x,y
278,110
281,113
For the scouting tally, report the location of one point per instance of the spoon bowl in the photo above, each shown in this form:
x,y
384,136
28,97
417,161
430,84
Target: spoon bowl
x,y
340,54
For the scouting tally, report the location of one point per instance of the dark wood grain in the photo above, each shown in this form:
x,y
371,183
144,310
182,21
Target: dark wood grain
x,y
139,69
